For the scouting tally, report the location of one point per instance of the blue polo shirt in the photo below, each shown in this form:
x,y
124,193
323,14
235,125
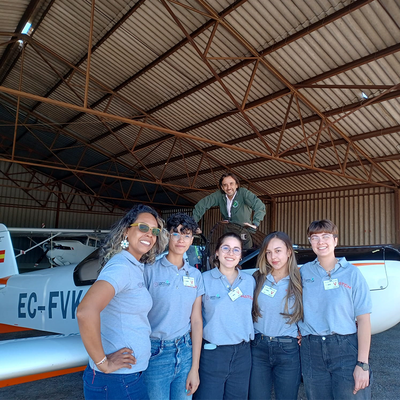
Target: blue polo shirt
x,y
172,300
272,323
333,311
227,322
124,320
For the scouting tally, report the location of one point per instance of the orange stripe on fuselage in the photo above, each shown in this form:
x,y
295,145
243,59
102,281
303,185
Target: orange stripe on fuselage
x,y
363,264
3,281
12,328
36,377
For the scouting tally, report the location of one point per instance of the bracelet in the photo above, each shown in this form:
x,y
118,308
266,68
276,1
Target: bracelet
x,y
102,361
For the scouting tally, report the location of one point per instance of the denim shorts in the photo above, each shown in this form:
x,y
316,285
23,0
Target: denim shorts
x,y
100,386
169,365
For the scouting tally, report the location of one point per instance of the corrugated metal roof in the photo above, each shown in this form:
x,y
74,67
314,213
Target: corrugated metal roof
x,y
173,87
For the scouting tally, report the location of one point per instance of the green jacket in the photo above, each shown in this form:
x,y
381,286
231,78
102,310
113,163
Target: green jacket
x,y
244,203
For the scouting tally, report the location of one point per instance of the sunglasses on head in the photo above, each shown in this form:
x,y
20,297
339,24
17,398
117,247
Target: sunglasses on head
x,y
145,228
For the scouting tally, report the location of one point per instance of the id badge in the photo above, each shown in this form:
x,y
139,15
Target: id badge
x,y
331,284
269,291
188,281
235,294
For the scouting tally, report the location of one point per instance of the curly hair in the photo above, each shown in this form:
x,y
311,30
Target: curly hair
x,y
214,261
295,288
187,222
112,243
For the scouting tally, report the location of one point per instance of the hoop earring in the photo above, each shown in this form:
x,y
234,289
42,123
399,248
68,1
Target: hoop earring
x,y
125,243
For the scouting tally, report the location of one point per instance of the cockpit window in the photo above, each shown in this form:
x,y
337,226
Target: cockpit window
x,y
87,271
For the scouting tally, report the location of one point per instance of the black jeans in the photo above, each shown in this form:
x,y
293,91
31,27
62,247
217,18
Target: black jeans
x,y
275,363
224,373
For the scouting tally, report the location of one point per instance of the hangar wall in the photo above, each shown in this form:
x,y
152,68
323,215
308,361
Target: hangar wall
x,y
363,216
212,216
25,202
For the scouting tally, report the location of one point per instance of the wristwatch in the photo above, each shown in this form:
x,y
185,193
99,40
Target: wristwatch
x,y
364,366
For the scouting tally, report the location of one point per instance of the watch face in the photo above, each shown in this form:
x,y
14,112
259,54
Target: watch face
x,y
364,366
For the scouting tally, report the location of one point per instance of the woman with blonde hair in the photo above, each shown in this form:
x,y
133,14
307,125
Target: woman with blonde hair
x,y
277,307
112,316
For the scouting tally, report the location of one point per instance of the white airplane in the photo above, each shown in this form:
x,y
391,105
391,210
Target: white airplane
x,y
47,300
61,251
44,300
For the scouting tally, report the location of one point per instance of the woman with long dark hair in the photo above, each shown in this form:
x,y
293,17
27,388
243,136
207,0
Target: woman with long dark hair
x,y
228,327
112,316
277,307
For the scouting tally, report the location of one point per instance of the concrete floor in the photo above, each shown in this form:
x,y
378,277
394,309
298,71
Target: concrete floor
x,y
385,352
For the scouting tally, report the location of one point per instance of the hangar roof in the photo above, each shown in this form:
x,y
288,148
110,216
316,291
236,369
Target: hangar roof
x,y
151,100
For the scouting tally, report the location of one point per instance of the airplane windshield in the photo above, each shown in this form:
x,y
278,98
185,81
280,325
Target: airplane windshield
x,y
87,271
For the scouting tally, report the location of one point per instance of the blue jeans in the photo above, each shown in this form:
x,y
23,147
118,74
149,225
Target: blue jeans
x,y
225,373
170,363
275,363
100,386
328,364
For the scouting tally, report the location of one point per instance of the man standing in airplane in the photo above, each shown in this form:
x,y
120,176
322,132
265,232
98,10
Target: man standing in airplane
x,y
235,203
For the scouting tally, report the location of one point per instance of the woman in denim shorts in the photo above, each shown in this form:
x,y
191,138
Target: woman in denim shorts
x,y
277,308
176,322
112,316
334,348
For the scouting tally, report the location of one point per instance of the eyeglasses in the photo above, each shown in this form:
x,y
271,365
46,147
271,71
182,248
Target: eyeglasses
x,y
184,236
237,251
317,238
145,228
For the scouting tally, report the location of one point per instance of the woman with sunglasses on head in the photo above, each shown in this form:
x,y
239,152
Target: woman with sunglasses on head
x,y
112,316
277,308
228,327
176,321
334,348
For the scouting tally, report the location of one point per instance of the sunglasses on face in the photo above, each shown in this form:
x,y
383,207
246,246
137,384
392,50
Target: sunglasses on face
x,y
145,228
237,251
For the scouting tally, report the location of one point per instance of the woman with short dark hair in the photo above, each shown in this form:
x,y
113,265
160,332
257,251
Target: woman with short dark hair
x,y
334,347
176,322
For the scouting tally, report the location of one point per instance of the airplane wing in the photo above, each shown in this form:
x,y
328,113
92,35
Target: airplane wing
x,y
23,360
45,232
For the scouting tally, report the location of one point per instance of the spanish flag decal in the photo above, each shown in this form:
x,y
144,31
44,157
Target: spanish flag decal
x,y
2,255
